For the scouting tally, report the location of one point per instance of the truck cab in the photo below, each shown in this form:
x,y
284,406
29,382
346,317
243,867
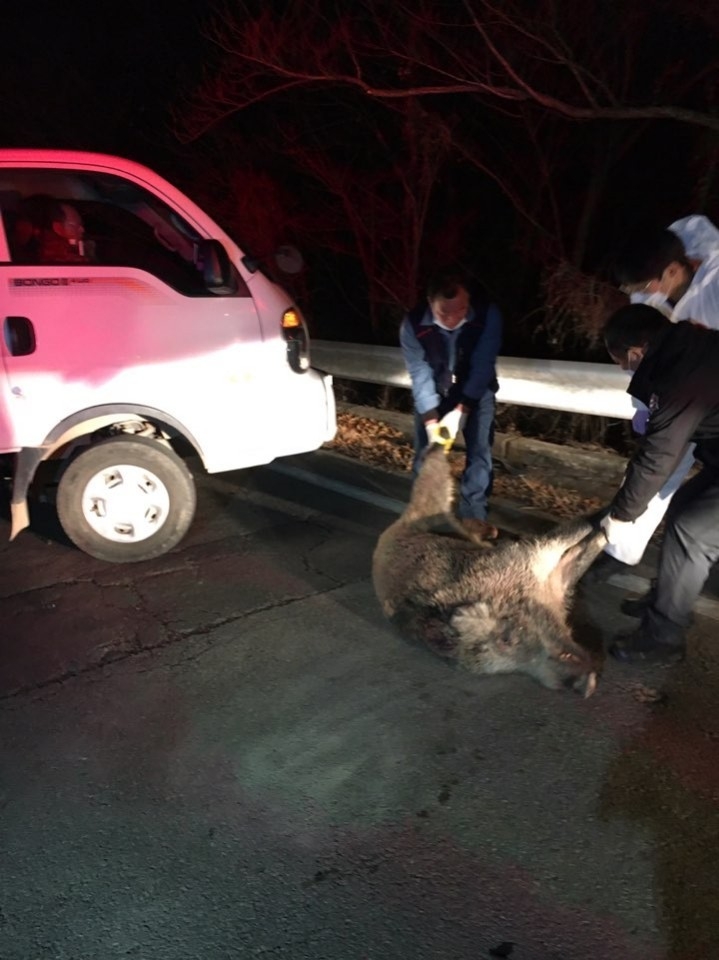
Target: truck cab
x,y
134,328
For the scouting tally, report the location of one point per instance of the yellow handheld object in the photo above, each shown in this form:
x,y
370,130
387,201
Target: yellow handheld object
x,y
445,439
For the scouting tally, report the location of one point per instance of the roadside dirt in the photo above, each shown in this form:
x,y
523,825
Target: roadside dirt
x,y
380,444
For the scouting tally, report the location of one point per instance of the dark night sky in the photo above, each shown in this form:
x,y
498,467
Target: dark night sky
x,y
96,75
103,75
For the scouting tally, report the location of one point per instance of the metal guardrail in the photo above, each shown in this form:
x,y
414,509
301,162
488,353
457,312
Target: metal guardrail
x,y
594,388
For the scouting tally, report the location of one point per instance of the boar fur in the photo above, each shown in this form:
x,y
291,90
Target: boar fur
x,y
492,608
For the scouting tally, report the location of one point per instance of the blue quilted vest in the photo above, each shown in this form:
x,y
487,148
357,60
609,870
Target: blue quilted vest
x,y
449,383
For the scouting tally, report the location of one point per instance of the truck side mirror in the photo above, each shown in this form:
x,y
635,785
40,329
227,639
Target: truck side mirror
x,y
217,270
289,260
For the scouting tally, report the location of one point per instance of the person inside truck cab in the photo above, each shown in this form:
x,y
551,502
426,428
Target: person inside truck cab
x,y
49,231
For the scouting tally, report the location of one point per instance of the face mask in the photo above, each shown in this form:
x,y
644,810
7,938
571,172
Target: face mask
x,y
444,326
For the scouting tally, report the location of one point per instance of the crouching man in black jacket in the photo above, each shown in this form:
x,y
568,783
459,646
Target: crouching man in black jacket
x,y
676,374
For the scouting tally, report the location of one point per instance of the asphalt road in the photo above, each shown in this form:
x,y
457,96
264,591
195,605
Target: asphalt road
x,y
227,753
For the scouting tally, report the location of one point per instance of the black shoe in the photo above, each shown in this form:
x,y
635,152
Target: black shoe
x,y
639,647
636,606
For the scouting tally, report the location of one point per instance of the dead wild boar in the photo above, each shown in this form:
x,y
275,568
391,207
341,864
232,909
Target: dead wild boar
x,y
493,608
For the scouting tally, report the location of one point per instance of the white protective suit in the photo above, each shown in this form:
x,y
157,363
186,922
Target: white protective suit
x,y
701,303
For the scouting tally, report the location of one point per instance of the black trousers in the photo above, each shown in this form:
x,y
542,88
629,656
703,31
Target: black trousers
x,y
689,550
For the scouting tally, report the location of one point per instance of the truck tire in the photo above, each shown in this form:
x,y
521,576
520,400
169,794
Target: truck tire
x,y
126,499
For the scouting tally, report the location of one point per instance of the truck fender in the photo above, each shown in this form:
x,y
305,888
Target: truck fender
x,y
27,460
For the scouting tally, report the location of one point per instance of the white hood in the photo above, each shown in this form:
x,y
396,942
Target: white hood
x,y
698,234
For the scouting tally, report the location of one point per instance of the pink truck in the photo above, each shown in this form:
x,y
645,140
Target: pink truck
x,y
135,329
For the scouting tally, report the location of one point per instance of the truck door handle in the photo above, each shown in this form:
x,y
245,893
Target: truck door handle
x,y
19,336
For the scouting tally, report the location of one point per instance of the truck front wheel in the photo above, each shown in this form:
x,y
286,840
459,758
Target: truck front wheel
x,y
126,499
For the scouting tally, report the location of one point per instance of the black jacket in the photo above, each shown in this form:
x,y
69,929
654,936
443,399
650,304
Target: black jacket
x,y
678,380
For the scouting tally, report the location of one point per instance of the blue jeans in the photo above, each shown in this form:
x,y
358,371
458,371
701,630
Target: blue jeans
x,y
476,482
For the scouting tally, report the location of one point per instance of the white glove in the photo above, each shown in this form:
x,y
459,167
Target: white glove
x,y
639,421
434,432
615,530
453,422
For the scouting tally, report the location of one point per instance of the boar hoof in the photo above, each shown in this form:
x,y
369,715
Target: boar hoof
x,y
479,529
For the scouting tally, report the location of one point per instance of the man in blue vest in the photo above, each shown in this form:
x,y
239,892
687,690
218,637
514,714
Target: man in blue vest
x,y
450,346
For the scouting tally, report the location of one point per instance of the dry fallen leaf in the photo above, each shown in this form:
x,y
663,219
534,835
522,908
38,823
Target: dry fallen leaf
x,y
644,694
378,444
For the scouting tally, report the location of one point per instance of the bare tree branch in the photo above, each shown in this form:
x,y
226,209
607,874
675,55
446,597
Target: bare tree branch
x,y
544,97
418,54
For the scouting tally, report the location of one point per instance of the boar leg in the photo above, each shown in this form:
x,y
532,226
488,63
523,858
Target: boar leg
x,y
434,489
578,558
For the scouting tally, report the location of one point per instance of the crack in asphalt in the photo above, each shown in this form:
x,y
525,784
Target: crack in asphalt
x,y
93,581
172,636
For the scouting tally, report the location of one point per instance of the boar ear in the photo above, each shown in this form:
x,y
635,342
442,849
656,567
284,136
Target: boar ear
x,y
477,622
474,620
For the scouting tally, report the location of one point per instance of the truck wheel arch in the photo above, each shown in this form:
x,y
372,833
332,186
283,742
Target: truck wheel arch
x,y
94,418
79,424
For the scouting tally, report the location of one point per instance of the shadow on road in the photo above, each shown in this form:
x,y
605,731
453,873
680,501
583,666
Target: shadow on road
x,y
44,522
667,780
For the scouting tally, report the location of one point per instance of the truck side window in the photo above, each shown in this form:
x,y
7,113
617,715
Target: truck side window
x,y
48,231
9,200
123,239
67,216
